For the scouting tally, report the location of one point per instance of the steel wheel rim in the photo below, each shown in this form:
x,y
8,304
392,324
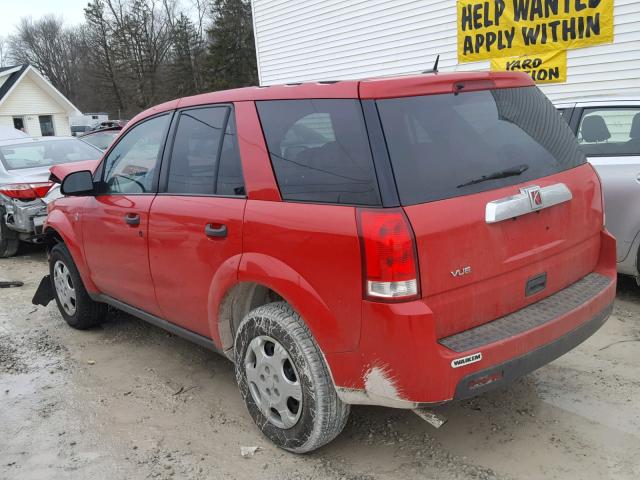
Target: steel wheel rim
x,y
273,381
65,289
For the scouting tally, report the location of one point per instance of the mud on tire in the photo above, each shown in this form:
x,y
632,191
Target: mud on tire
x,y
82,313
323,415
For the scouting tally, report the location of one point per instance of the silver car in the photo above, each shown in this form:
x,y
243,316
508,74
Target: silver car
x,y
608,129
25,189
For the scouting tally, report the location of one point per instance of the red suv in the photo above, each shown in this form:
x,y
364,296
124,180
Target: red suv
x,y
398,242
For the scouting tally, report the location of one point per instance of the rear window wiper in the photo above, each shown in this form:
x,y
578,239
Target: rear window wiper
x,y
508,172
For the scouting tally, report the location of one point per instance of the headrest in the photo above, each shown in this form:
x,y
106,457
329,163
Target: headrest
x,y
635,127
594,129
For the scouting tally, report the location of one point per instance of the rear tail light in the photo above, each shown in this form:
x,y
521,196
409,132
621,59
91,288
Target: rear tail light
x,y
26,191
390,265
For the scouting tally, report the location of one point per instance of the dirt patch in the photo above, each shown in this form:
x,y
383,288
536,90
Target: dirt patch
x,y
128,400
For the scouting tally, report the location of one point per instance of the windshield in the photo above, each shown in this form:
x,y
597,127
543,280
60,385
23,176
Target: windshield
x,y
443,146
100,140
45,153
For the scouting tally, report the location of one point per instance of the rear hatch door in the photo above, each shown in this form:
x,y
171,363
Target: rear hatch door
x,y
503,205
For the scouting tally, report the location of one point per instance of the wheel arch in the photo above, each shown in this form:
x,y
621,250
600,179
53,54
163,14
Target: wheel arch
x,y
59,229
261,280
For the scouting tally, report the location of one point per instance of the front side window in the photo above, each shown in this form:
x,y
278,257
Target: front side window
x,y
610,131
320,151
444,146
132,164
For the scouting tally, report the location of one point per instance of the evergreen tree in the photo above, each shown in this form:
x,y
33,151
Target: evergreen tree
x,y
231,60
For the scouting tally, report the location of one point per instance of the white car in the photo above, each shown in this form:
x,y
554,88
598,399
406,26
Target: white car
x,y
25,188
608,130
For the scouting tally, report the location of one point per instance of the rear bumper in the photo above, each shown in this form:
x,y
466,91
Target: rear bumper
x,y
401,362
497,376
25,218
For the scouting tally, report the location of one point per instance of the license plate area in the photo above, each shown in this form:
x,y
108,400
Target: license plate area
x,y
535,284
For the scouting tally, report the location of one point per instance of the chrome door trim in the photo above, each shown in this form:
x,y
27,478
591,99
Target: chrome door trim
x,y
530,199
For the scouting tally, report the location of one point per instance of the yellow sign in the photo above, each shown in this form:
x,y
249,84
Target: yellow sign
x,y
549,67
506,28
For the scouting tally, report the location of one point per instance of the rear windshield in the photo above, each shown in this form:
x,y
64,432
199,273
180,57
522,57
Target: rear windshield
x,y
441,146
45,153
100,140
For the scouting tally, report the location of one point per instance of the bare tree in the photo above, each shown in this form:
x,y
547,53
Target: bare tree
x,y
98,38
4,57
51,48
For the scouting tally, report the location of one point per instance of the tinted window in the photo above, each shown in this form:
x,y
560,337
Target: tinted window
x,y
204,161
230,180
610,131
320,151
132,164
438,143
45,153
195,151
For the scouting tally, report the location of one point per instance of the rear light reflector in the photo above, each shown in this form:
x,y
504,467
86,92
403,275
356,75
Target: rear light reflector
x,y
390,265
26,191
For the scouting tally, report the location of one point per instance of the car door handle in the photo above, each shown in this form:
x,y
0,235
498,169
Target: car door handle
x,y
211,231
132,219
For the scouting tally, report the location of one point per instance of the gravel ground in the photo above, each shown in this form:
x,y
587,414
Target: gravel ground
x,y
129,401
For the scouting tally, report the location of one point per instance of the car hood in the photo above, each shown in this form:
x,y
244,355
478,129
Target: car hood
x,y
58,172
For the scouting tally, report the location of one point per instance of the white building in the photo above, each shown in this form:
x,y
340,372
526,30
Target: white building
x,y
30,103
309,40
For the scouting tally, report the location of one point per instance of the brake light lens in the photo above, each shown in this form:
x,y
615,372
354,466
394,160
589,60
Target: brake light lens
x,y
26,191
389,256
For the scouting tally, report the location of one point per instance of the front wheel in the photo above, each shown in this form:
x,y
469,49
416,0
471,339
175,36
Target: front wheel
x,y
74,303
284,380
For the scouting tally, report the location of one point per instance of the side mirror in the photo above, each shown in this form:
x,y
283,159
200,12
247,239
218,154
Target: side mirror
x,y
77,184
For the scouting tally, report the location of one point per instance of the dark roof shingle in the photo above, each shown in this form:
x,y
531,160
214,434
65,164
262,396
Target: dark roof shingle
x,y
13,78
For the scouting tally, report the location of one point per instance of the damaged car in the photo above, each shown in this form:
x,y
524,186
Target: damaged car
x,y
25,186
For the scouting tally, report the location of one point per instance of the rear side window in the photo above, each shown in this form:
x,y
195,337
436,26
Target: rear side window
x,y
320,151
205,158
610,131
441,146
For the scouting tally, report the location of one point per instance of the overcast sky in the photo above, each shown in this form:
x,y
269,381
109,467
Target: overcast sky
x,y
11,11
72,11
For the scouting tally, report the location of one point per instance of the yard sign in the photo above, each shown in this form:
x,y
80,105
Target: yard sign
x,y
490,29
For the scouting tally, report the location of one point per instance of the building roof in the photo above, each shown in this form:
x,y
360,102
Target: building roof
x,y
13,78
17,72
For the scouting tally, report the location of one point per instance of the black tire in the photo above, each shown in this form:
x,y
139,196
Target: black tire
x,y
323,415
86,312
8,238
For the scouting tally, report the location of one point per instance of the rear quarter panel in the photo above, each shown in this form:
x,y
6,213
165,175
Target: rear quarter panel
x,y
310,255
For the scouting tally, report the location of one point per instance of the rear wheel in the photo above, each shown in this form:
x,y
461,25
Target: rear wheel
x,y
74,303
284,380
8,238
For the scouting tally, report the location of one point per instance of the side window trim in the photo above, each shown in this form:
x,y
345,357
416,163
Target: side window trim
x,y
380,154
99,174
168,151
220,145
